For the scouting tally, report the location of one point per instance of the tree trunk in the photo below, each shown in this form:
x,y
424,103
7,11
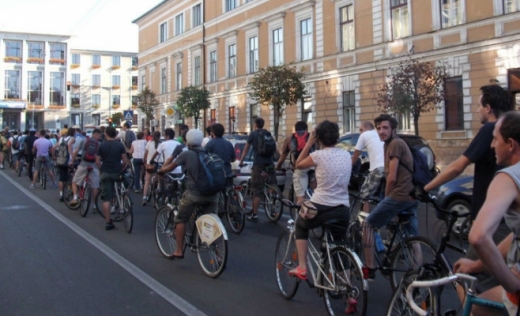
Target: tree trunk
x,y
416,123
276,120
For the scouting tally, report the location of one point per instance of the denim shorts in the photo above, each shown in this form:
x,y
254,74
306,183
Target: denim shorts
x,y
388,208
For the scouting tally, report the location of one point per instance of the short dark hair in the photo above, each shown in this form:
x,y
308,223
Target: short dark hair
x,y
386,117
170,132
184,127
208,129
498,98
71,132
259,122
43,132
96,131
127,125
217,129
300,126
509,128
327,133
65,126
111,132
140,135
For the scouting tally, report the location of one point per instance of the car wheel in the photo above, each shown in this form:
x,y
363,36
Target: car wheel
x,y
461,206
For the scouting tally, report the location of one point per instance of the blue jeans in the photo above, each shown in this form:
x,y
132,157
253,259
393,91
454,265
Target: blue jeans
x,y
138,163
388,208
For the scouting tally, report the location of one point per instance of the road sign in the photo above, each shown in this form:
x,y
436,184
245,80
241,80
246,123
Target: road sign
x,y
128,115
169,111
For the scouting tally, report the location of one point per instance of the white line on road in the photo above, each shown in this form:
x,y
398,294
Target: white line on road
x,y
139,274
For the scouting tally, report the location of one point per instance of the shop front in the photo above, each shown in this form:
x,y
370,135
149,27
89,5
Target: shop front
x,y
11,114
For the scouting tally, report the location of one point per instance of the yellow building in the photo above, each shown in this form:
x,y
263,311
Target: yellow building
x,y
346,48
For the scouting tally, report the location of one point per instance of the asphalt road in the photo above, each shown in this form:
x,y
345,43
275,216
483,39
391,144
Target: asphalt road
x,y
54,262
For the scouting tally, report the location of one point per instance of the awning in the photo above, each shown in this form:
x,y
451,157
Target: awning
x,y
12,104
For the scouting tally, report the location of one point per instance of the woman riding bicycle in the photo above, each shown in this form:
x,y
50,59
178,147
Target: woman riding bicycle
x,y
333,167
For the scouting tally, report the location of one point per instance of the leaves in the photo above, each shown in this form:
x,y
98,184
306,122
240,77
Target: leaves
x,y
146,103
191,100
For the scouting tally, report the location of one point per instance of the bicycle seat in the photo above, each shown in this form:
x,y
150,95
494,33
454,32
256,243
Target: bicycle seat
x,y
335,224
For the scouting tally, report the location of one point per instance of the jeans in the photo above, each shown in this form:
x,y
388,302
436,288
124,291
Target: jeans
x,y
388,208
138,164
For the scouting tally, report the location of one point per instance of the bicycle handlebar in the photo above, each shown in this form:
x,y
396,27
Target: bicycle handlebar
x,y
289,203
419,194
174,178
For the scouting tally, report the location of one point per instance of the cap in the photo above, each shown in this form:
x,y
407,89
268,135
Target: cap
x,y
194,137
32,130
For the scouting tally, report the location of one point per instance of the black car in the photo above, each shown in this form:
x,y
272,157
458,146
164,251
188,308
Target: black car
x,y
349,141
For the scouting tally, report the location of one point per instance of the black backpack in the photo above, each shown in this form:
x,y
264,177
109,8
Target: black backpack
x,y
129,138
62,157
90,150
16,143
421,174
265,144
212,176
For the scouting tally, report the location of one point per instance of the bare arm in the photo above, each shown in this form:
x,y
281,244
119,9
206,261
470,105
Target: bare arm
x,y
244,153
285,151
98,162
125,160
167,168
449,173
305,161
392,175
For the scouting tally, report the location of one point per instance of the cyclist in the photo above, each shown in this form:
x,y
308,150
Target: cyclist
x,y
164,151
502,201
192,197
41,149
294,145
151,147
15,152
63,171
330,198
398,186
260,163
370,140
111,152
29,143
137,149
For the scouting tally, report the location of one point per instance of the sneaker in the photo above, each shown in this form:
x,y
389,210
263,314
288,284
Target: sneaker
x,y
252,217
137,191
31,186
54,185
1,167
109,226
74,202
368,273
62,199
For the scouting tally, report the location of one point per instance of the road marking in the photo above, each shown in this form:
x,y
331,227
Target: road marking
x,y
13,207
174,299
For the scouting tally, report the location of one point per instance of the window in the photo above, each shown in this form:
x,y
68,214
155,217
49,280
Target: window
x,y
57,53
179,24
453,104
75,100
306,39
35,50
349,111
116,100
511,6
163,80
96,61
230,5
116,62
134,82
96,100
253,54
347,28
143,85
451,11
56,89
13,49
232,60
34,88
179,76
232,119
76,79
134,100
399,13
96,119
404,121
277,47
116,82
213,66
196,71
253,114
76,118
213,116
163,32
196,15
12,84
135,62
96,81
76,59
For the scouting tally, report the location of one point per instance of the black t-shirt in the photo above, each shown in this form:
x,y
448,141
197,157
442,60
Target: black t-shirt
x,y
110,152
483,156
29,142
224,150
258,159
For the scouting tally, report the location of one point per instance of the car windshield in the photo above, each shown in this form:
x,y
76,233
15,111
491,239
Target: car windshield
x,y
239,148
348,142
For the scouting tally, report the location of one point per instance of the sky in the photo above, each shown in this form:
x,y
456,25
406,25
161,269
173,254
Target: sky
x,y
93,24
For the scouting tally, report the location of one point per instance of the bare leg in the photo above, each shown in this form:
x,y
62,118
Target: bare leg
x,y
256,204
106,211
180,229
301,246
368,243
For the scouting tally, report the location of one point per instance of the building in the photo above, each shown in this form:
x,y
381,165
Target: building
x,y
347,48
47,84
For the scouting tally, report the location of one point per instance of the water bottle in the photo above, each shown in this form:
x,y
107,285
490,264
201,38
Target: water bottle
x,y
380,247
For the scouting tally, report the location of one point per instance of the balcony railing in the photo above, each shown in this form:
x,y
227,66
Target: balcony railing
x,y
74,66
57,61
34,60
96,66
12,59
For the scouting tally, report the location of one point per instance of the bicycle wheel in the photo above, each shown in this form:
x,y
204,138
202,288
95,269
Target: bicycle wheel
x,y
247,194
423,297
345,274
85,198
68,196
165,232
405,258
21,165
128,215
354,237
212,258
43,178
286,258
98,204
272,205
235,216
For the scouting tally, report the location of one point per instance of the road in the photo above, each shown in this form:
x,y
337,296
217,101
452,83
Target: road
x,y
54,262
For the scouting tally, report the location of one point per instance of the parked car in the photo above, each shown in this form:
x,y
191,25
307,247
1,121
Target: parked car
x,y
349,141
456,195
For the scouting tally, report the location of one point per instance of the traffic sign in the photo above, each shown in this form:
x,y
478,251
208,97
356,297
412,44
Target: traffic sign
x,y
169,111
128,115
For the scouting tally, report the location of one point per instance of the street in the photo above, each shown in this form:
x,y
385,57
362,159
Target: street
x,y
54,262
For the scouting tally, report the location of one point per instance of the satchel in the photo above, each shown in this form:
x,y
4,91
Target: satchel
x,y
308,210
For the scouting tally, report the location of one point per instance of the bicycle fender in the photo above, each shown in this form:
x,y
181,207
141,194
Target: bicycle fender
x,y
210,228
359,264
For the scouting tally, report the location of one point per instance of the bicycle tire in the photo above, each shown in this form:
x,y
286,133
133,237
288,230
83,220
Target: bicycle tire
x,y
85,200
43,178
128,215
212,258
403,260
96,204
272,205
350,292
355,208
21,165
68,196
234,213
247,194
164,229
426,298
354,237
286,259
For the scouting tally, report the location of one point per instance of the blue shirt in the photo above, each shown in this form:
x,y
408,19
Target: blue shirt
x,y
224,149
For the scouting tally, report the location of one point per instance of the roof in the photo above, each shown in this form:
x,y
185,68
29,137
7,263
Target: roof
x,y
150,11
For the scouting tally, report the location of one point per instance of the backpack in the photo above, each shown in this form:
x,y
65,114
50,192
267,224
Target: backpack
x,y
16,143
265,144
421,174
212,176
62,157
90,150
298,141
129,138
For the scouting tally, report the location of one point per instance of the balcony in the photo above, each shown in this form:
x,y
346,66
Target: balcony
x,y
115,67
56,61
76,86
95,86
95,106
57,107
115,87
96,66
74,66
13,59
134,87
34,60
75,105
116,106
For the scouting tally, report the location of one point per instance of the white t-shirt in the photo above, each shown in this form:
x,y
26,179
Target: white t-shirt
x,y
205,140
375,148
151,151
11,140
166,149
139,148
333,168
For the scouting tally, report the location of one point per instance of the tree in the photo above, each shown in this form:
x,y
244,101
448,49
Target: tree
x,y
117,118
413,88
146,103
279,86
192,100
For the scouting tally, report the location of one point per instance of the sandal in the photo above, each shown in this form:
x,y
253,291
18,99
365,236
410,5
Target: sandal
x,y
351,306
298,272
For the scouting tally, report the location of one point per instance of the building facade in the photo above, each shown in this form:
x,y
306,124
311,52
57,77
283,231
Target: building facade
x,y
347,49
47,84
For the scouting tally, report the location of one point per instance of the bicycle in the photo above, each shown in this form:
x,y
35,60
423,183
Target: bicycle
x,y
233,209
397,257
68,194
85,193
335,271
270,198
205,235
121,204
21,165
43,171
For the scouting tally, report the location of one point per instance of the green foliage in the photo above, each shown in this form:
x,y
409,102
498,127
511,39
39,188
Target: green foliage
x,y
146,103
191,100
413,88
117,118
279,86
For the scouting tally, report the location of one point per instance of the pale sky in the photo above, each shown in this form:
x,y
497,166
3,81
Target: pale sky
x,y
93,24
